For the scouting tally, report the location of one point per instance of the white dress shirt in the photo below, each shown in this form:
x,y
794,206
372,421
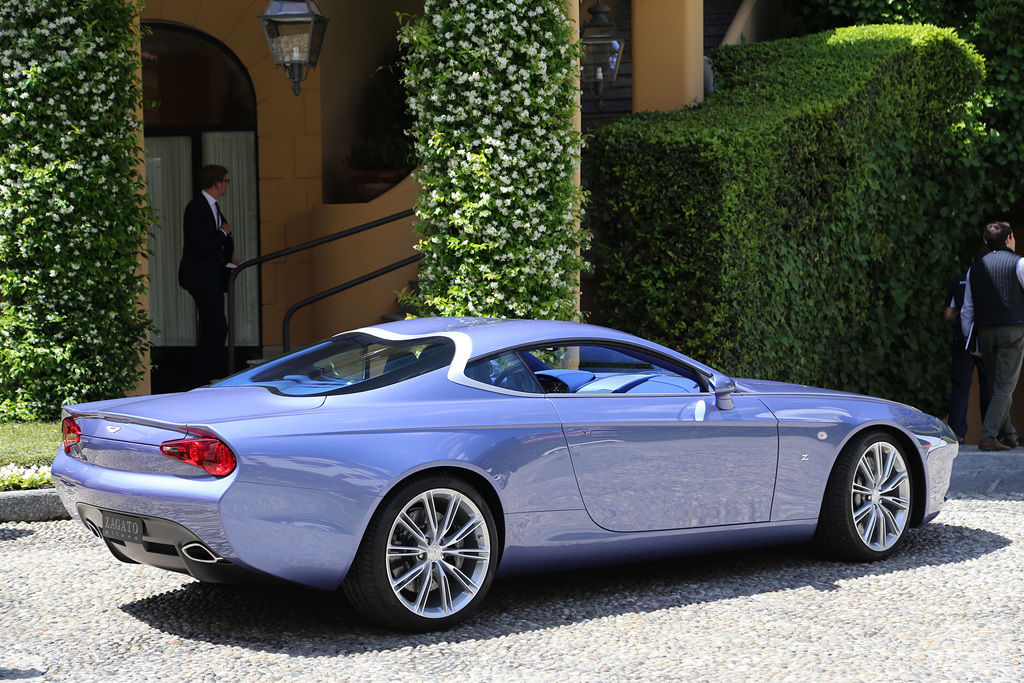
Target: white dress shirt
x,y
215,209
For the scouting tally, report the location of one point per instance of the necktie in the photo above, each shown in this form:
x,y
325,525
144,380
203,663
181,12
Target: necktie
x,y
220,220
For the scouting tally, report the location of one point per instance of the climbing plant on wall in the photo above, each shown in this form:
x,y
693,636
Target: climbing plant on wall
x,y
493,91
73,220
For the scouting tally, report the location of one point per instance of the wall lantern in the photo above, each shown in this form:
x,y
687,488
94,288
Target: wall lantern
x,y
602,51
295,33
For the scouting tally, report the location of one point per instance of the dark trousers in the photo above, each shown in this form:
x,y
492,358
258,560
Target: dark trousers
x,y
208,362
1002,350
962,375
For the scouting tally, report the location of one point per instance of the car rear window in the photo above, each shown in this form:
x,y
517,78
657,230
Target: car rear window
x,y
347,364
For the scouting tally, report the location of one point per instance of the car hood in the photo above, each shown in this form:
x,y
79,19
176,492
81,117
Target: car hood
x,y
763,386
201,406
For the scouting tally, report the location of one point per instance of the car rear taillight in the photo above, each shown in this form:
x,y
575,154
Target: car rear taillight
x,y
72,433
202,450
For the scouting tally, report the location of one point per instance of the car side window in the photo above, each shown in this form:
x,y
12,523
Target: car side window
x,y
505,371
599,369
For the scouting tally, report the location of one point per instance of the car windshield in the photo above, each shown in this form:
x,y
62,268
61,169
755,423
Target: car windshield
x,y
347,364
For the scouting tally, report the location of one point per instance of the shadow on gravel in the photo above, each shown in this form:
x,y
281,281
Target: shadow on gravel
x,y
15,533
979,490
304,622
19,674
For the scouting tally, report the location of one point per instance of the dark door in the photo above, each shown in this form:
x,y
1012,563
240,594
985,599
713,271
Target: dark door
x,y
201,111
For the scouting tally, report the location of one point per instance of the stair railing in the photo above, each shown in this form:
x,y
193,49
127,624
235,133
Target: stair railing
x,y
316,297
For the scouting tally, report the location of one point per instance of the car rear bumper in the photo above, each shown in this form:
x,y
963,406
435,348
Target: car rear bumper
x,y
190,504
168,545
304,536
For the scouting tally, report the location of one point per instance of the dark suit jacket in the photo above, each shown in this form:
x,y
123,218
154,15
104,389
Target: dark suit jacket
x,y
205,251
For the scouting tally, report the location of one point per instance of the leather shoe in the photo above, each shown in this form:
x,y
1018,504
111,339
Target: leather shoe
x,y
1012,443
992,446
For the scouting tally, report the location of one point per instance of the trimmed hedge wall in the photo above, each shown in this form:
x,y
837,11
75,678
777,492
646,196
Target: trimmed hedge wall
x,y
799,224
995,28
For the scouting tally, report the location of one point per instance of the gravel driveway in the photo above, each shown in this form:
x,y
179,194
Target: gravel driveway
x,y
947,607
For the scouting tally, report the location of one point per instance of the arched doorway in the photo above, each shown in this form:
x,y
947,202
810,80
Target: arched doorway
x,y
200,109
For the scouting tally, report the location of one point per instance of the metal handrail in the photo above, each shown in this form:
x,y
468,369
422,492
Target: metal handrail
x,y
285,334
302,247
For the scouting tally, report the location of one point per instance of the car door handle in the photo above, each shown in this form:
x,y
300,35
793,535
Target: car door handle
x,y
594,433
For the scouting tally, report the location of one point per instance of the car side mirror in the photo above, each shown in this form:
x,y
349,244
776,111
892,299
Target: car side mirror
x,y
724,387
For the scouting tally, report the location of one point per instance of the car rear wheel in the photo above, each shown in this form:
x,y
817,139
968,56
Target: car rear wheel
x,y
866,510
428,557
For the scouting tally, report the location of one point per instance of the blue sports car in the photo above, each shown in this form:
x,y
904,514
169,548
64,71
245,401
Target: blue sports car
x,y
412,462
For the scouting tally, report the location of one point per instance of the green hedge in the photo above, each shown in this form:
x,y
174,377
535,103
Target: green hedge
x,y
73,219
995,28
811,16
799,224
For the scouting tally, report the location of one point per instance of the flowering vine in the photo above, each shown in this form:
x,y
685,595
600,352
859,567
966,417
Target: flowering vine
x,y
493,90
73,218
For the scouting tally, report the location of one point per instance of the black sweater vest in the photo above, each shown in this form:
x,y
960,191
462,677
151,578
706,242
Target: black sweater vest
x,y
996,291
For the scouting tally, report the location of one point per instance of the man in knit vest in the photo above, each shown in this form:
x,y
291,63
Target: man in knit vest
x,y
994,311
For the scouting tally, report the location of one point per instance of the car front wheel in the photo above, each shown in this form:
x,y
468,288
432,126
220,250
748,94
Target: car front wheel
x,y
428,556
866,510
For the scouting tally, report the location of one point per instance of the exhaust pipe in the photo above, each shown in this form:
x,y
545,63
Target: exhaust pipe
x,y
197,552
91,526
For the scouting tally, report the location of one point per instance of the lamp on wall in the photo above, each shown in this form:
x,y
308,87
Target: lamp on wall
x,y
295,33
602,51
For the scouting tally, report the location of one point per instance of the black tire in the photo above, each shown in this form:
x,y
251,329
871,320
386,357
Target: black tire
x,y
438,527
866,510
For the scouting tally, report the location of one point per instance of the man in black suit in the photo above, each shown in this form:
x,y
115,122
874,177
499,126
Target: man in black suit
x,y
207,250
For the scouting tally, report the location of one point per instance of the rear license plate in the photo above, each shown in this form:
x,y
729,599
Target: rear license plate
x,y
122,527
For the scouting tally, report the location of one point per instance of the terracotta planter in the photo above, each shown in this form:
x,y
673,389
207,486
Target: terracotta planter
x,y
373,183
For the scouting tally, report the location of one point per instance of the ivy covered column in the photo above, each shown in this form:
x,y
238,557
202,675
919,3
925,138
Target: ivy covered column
x,y
494,91
73,216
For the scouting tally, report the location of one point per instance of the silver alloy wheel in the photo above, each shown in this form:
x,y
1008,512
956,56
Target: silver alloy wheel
x,y
438,553
881,496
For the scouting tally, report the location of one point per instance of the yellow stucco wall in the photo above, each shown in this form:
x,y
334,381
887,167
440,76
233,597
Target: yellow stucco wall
x,y
358,255
145,386
361,37
668,54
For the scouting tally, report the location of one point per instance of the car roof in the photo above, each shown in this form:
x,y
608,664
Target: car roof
x,y
488,335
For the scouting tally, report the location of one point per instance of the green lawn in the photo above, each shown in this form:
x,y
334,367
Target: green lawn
x,y
29,443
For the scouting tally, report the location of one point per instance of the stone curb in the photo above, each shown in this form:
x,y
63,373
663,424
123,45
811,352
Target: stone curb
x,y
37,505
